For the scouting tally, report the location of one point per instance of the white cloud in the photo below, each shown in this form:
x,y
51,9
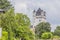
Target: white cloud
x,y
20,7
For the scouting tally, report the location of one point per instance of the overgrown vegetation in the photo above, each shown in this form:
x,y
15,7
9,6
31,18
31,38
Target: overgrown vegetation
x,y
16,26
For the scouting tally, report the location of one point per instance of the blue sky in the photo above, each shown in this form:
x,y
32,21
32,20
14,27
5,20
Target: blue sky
x,y
52,8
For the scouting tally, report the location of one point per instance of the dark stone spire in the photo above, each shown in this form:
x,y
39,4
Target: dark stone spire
x,y
38,12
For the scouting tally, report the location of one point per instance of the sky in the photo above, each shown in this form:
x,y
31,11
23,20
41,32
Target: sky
x,y
51,7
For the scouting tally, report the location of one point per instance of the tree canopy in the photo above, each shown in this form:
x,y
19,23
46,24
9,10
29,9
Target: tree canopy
x,y
22,19
57,31
22,29
17,25
41,28
5,4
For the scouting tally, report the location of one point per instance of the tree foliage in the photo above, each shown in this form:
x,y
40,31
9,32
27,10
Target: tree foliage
x,y
22,20
22,29
5,4
57,31
41,28
17,25
46,35
4,35
7,22
7,19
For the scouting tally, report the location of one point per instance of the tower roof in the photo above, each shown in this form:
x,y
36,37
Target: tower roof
x,y
38,12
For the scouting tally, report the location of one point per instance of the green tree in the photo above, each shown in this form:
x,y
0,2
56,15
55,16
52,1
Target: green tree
x,y
17,25
7,22
57,31
41,28
22,20
22,29
5,4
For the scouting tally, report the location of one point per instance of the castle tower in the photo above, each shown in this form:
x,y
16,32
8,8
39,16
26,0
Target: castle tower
x,y
38,17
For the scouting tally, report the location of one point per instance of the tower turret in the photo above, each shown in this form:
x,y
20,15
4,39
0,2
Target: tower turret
x,y
39,16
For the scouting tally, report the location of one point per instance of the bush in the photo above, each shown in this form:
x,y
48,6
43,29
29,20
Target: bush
x,y
4,35
46,35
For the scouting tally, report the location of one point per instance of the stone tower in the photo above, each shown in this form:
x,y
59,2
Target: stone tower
x,y
38,16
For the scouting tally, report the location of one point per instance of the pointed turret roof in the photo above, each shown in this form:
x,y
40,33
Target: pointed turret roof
x,y
38,12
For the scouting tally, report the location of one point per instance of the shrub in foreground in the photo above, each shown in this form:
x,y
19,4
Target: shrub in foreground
x,y
46,35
